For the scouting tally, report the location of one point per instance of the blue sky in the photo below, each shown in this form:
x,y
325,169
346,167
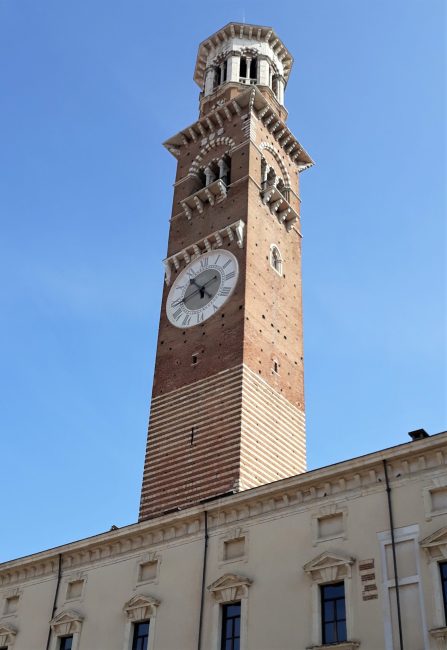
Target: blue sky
x,y
88,91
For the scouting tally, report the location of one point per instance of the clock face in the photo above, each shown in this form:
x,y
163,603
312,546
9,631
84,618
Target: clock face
x,y
202,288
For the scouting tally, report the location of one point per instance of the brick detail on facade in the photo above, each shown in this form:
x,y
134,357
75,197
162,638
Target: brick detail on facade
x,y
223,434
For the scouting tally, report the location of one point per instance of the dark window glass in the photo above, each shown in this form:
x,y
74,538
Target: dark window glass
x,y
254,68
140,636
231,626
66,643
333,613
443,568
243,67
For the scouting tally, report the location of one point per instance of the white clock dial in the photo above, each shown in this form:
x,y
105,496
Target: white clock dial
x,y
202,288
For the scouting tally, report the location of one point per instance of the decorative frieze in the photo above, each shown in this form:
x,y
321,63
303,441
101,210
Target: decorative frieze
x,y
355,476
234,231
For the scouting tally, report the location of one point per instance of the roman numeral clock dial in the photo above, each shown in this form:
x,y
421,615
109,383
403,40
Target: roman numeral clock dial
x,y
202,288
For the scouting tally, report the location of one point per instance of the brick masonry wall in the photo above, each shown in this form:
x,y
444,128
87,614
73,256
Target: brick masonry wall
x,y
230,421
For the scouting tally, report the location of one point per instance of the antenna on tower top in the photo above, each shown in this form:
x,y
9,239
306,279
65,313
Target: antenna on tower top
x,y
243,16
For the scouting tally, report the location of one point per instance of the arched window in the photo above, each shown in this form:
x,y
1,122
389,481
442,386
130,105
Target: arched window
x,y
276,259
243,67
254,68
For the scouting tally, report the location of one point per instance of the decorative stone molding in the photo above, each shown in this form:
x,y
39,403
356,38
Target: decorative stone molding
x,y
230,587
252,98
7,635
344,645
213,193
277,156
272,197
329,567
439,634
140,607
66,622
212,241
435,545
222,141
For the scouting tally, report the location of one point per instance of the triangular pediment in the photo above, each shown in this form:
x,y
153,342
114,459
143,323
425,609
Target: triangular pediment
x,y
67,616
329,566
327,559
229,580
229,588
66,622
435,544
141,607
436,538
6,629
141,601
7,635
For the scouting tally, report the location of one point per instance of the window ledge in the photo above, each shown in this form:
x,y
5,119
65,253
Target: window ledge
x,y
439,633
345,645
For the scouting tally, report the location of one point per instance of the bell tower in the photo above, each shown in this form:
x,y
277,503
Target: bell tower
x,y
227,410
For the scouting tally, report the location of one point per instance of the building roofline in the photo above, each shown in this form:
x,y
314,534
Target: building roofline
x,y
306,479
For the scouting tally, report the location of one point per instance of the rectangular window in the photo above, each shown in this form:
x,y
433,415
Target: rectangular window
x,y
443,568
231,626
140,636
333,613
66,643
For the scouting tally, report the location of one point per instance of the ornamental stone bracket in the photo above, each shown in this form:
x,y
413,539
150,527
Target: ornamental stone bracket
x,y
329,567
344,645
229,587
67,622
278,205
212,194
233,232
435,545
141,607
7,635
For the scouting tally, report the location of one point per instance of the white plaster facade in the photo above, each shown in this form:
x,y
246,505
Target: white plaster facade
x,y
271,547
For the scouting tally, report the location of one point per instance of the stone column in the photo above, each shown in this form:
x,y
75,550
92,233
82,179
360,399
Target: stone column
x,y
209,81
233,65
223,168
209,175
263,72
280,93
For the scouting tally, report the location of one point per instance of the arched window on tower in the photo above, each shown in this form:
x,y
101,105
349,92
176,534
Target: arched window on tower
x,y
276,259
217,76
254,69
243,68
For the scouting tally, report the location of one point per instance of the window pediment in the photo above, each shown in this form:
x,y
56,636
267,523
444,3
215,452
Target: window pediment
x,y
230,587
435,544
7,634
141,607
66,622
329,567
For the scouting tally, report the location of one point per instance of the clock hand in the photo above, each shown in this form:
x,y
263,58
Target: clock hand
x,y
199,289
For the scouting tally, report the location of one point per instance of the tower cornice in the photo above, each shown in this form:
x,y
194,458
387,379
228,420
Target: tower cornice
x,y
234,30
252,101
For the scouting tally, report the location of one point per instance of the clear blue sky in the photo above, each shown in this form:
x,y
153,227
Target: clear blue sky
x,y
88,91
